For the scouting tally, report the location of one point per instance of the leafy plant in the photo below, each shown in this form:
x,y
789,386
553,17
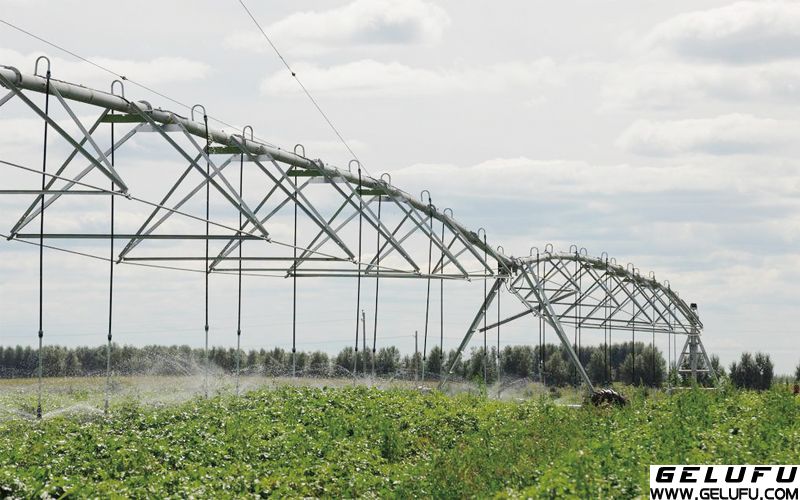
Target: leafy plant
x,y
355,441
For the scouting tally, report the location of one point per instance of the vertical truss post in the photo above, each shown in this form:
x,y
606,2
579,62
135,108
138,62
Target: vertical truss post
x,y
41,230
694,353
206,270
110,280
239,280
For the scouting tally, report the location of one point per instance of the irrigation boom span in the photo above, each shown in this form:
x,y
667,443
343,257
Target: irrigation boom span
x,y
558,288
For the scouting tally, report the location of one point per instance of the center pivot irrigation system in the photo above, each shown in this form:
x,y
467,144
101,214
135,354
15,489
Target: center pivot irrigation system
x,y
352,225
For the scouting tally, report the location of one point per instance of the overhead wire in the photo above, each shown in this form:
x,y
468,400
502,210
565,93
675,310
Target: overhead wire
x,y
300,83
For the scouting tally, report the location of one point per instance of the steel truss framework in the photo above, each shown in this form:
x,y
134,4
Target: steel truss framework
x,y
343,210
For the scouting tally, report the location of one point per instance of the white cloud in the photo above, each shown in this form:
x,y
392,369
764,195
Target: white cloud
x,y
726,134
669,84
742,51
367,78
737,33
359,23
153,71
550,179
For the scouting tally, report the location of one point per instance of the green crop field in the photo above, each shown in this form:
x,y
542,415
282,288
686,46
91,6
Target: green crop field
x,y
358,441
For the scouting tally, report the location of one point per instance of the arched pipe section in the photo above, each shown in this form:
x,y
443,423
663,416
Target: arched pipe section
x,y
630,273
557,306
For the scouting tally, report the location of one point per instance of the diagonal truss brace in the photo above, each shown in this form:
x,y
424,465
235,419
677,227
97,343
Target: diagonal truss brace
x,y
110,174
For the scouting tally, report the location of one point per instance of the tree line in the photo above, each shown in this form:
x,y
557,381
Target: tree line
x,y
614,363
642,365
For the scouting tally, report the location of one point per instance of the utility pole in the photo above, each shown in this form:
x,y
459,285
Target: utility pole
x,y
416,355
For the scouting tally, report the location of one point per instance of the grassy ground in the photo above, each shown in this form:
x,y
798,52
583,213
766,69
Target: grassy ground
x,y
360,441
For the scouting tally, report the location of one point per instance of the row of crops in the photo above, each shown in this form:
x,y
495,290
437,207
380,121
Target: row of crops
x,y
357,441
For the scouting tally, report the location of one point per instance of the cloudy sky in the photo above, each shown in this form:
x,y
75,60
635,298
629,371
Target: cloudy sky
x,y
659,132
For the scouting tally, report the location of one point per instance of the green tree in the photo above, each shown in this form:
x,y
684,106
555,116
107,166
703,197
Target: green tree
x,y
752,372
765,371
72,365
319,364
517,361
434,366
456,363
301,361
626,371
556,371
596,368
251,361
387,361
719,370
651,367
717,366
343,363
480,360
275,362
